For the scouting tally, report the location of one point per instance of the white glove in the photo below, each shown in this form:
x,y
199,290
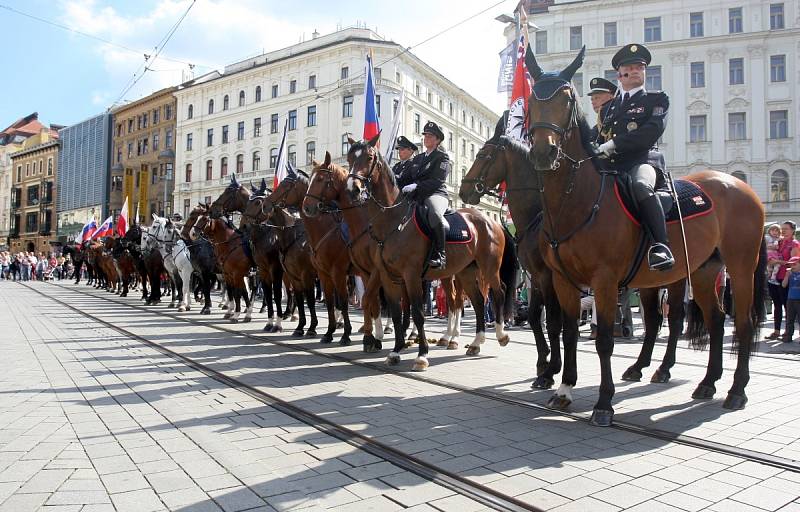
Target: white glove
x,y
409,188
607,148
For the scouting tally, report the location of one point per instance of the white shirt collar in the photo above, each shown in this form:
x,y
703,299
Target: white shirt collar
x,y
632,91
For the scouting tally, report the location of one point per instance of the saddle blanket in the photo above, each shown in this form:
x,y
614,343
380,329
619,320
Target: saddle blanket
x,y
459,232
693,200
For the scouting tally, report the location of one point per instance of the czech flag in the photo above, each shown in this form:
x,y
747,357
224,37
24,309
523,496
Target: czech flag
x,y
105,229
87,231
371,124
122,221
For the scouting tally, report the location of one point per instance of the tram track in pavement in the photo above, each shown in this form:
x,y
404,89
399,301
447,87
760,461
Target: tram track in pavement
x,y
663,435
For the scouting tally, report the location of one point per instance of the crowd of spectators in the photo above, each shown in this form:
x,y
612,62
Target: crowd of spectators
x,y
29,266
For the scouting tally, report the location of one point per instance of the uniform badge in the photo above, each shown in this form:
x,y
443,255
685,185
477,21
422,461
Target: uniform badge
x,y
658,111
635,110
634,48
632,126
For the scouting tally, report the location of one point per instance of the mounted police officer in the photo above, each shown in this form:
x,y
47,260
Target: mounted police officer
x,y
602,91
405,150
424,181
631,126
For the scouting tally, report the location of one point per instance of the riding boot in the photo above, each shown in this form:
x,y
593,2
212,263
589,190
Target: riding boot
x,y
659,257
438,258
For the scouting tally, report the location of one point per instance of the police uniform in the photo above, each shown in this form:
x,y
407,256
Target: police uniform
x,y
429,173
600,85
399,167
630,130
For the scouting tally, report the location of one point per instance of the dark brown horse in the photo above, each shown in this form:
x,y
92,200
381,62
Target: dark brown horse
x,y
587,240
500,161
399,254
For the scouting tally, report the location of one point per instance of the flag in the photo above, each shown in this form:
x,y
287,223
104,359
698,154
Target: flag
x,y
105,229
122,221
371,124
520,93
396,122
87,231
505,78
281,166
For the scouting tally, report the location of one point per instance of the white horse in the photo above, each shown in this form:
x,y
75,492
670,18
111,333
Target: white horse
x,y
165,236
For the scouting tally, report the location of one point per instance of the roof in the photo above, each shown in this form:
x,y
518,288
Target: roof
x,y
25,127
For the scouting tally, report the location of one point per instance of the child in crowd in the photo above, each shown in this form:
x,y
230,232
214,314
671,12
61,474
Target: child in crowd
x,y
773,238
792,281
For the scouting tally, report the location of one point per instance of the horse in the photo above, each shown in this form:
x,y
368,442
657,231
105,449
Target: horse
x,y
202,256
581,211
124,264
77,255
326,246
164,236
400,253
500,160
132,242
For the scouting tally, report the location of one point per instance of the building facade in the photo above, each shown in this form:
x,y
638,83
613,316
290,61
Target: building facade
x,y
84,168
730,68
33,193
233,121
144,155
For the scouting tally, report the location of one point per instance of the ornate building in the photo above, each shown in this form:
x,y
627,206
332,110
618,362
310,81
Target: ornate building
x,y
729,67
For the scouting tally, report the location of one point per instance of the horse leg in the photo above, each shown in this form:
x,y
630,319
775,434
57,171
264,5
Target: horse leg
x,y
371,306
393,296
652,322
228,294
206,279
675,320
456,328
237,297
569,298
546,370
249,295
331,299
298,299
476,296
706,323
312,309
606,302
277,297
417,304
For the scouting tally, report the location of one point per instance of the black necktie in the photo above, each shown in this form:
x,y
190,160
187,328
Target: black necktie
x,y
626,98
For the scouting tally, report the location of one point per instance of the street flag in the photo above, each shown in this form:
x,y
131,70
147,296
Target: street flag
x,y
371,124
396,122
520,93
281,167
122,221
87,231
105,229
505,78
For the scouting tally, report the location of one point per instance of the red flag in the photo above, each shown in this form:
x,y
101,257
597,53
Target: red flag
x,y
122,222
372,125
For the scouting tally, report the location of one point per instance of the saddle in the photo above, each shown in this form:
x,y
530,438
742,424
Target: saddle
x,y
458,233
693,200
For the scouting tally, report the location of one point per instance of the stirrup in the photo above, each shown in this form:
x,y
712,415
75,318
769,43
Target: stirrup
x,y
438,262
667,260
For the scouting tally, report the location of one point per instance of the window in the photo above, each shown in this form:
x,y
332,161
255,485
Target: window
x,y
345,145
777,68
471,122
779,124
167,139
311,117
258,93
210,137
575,38
541,42
697,128
652,29
417,122
209,170
735,20
430,97
292,86
256,160
739,174
463,147
378,104
273,158
144,120
450,109
187,203
696,24
345,72
736,71
292,120
610,34
31,222
240,163
225,134
312,81
226,103
378,74
210,106
417,90
155,141
273,123
241,98
257,127
275,91
240,131
347,106
698,74
292,155
472,151
776,16
189,115
188,142
188,173
167,112
223,167
311,152
34,168
441,105
577,80
450,141
737,127
144,147
653,80
130,152
779,186
156,113
119,129
398,78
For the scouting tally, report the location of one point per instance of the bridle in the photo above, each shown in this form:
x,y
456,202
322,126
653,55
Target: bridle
x,y
367,180
225,206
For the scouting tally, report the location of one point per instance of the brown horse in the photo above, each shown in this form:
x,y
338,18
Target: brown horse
x,y
498,162
587,240
400,253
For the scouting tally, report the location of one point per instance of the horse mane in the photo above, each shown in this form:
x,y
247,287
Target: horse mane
x,y
362,145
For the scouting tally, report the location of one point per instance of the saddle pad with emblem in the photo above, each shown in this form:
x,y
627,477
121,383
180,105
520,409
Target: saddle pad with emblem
x,y
459,232
694,202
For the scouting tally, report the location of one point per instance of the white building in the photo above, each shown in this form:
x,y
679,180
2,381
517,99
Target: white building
x,y
730,68
233,121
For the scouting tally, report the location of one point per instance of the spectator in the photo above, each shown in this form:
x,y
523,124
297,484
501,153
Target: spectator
x,y
778,293
791,281
773,239
4,264
25,266
441,300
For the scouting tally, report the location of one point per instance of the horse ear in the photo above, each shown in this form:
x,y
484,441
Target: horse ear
x,y
252,188
374,140
327,162
350,140
234,183
570,70
500,128
533,66
155,217
314,163
263,185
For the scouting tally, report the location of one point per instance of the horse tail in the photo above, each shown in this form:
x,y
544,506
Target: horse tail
x,y
696,330
758,310
509,269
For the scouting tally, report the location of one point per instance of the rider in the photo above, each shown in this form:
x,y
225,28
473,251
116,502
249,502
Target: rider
x,y
632,123
424,181
405,150
601,93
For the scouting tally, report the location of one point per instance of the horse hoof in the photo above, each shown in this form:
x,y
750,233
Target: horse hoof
x,y
453,345
540,369
393,358
247,319
601,418
420,364
734,402
171,305
267,328
276,328
123,294
558,403
388,329
542,382
226,316
326,338
704,392
262,310
345,341
504,340
234,320
473,350
660,377
181,309
442,342
205,311
632,374
311,332
297,332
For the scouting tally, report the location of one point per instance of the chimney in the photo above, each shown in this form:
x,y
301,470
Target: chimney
x,y
314,34
44,135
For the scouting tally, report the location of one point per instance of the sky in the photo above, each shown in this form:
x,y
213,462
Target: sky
x,y
68,77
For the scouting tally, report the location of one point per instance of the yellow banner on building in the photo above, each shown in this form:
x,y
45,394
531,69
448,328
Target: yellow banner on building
x,y
144,188
128,189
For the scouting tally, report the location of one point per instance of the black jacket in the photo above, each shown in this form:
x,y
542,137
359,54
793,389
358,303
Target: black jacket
x,y
399,167
635,128
429,173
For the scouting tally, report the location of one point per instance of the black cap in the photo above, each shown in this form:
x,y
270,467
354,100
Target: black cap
x,y
433,129
631,54
600,84
403,142
176,217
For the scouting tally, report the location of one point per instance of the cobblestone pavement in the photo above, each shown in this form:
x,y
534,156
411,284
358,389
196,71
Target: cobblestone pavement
x,y
94,420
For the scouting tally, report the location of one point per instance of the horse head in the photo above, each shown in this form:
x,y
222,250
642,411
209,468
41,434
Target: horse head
x,y
256,211
290,191
490,167
232,199
368,170
188,226
327,185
